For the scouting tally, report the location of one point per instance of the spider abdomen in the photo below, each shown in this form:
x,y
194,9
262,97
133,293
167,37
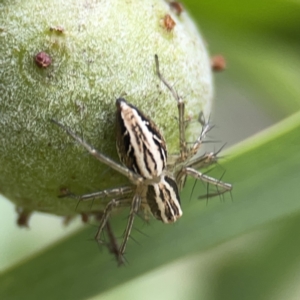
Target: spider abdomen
x,y
163,200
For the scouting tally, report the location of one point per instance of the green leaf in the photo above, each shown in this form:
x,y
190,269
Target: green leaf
x,y
264,171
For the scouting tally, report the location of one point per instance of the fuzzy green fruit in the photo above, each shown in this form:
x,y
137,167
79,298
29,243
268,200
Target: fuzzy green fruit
x,y
97,53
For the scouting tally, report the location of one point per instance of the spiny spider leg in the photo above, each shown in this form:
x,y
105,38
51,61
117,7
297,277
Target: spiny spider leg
x,y
217,193
135,178
198,175
199,162
109,207
197,144
113,246
135,206
109,193
203,161
180,106
106,214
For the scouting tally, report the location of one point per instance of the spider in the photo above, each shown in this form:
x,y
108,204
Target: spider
x,y
155,181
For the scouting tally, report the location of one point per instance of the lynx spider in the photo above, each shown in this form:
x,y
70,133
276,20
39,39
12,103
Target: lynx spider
x,y
157,188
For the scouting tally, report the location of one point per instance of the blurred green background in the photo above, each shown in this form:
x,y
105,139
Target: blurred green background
x,y
247,247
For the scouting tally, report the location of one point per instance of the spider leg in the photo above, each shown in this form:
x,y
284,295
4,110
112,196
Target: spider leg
x,y
113,246
109,193
217,193
135,178
135,206
205,178
210,195
106,214
205,128
202,161
181,107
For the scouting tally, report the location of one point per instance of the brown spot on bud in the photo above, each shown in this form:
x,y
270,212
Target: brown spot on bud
x,y
168,22
23,217
218,63
43,60
177,7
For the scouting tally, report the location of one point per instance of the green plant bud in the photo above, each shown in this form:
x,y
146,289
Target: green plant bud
x,y
70,60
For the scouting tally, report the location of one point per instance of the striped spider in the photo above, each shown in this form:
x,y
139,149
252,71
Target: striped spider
x,y
155,183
